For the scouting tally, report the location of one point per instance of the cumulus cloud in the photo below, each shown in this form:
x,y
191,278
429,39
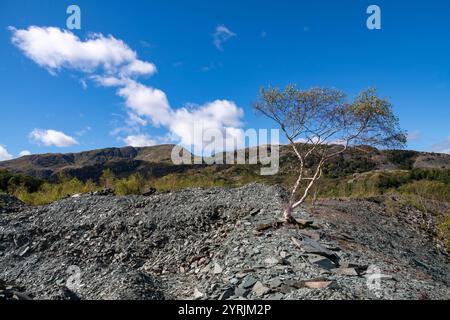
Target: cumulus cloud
x,y
141,140
24,153
51,138
4,154
220,116
222,35
109,62
144,101
54,49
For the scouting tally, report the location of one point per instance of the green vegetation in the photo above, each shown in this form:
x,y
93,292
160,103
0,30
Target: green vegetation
x,y
9,182
403,158
134,184
50,192
431,184
443,229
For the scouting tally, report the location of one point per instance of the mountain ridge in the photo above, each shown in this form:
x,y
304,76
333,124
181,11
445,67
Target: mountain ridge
x,y
156,161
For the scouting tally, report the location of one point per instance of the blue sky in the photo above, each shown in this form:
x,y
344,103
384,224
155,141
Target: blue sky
x,y
310,43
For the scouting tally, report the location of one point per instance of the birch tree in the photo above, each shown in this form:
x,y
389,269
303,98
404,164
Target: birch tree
x,y
320,124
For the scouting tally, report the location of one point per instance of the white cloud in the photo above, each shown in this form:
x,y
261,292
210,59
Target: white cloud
x,y
54,49
4,154
83,131
218,116
109,62
24,153
138,67
145,101
51,138
141,140
414,135
221,35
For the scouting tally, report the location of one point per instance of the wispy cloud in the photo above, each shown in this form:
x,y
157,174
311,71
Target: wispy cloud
x,y
83,131
51,138
212,66
443,147
222,35
414,135
177,64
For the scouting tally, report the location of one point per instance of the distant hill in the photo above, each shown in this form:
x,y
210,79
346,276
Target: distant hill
x,y
156,161
90,164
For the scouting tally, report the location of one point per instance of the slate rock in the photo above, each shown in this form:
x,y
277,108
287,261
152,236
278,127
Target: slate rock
x,y
249,282
259,289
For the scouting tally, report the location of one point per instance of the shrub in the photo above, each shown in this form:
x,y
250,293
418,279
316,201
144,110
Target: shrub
x,y
10,182
50,192
107,179
434,190
134,184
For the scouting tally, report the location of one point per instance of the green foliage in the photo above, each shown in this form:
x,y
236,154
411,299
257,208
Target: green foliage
x,y
434,190
403,158
50,192
10,182
107,179
134,184
342,167
173,182
429,183
443,229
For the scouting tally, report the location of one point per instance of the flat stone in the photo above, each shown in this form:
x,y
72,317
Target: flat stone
x,y
277,296
345,271
318,284
304,223
241,292
272,261
311,246
217,268
360,268
285,289
259,289
263,227
275,283
197,294
249,282
322,262
311,234
227,293
294,283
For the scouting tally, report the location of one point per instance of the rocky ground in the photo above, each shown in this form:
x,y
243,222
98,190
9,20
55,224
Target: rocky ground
x,y
216,244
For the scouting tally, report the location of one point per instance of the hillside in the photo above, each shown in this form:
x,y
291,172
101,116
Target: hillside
x,y
156,162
